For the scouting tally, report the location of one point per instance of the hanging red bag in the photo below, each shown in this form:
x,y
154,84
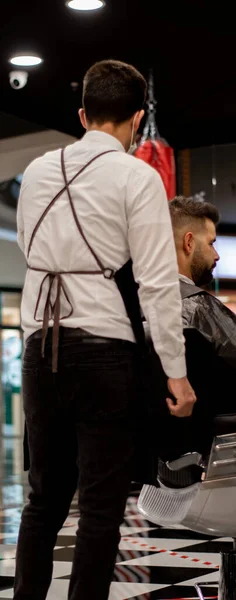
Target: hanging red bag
x,y
154,150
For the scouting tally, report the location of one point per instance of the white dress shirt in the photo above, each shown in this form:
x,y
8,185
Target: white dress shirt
x,y
122,207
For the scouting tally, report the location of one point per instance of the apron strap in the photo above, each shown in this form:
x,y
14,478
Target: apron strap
x,y
78,225
59,194
53,311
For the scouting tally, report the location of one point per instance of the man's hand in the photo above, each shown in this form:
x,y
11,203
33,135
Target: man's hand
x,y
184,395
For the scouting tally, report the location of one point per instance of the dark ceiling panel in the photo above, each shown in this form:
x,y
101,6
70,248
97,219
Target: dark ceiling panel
x,y
11,126
190,45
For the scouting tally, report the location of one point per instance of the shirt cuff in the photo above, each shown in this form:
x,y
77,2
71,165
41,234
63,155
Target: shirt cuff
x,y
175,367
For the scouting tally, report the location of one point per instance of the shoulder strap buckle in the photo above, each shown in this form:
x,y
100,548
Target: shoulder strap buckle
x,y
108,273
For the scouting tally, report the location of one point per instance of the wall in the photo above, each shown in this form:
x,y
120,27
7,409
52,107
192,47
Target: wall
x,y
12,265
212,170
16,153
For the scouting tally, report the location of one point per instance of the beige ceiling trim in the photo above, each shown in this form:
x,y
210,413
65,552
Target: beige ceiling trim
x,y
17,152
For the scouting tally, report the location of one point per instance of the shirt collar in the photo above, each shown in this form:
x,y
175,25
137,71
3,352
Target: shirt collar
x,y
186,279
103,139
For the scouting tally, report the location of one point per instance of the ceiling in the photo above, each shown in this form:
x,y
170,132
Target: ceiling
x,y
189,44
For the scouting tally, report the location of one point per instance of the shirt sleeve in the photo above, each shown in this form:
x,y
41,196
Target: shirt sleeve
x,y
20,221
155,267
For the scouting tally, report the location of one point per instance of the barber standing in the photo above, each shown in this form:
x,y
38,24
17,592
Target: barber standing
x,y
82,214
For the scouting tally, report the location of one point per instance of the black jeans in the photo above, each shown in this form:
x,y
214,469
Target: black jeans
x,y
82,419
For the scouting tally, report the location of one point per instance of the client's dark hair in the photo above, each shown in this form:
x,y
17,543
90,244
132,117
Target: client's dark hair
x,y
113,91
183,210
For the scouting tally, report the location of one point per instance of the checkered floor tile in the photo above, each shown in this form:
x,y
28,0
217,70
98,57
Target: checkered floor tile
x,y
153,563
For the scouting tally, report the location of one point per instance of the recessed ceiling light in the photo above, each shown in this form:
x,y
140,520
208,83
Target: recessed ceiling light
x,y
85,4
25,61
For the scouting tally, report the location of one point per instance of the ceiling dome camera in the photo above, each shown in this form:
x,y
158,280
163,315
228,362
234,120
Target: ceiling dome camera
x,y
18,79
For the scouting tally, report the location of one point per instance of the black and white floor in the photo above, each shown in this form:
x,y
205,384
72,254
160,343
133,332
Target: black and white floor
x,y
153,563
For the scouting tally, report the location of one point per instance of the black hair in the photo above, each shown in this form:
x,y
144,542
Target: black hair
x,y
183,210
112,92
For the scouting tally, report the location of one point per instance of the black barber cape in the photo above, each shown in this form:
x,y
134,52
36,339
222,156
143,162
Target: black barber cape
x,y
205,313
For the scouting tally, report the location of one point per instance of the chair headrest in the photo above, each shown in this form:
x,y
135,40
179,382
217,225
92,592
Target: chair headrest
x,y
181,478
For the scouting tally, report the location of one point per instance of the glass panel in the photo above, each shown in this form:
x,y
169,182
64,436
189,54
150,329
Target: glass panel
x,y
10,308
224,181
10,392
226,248
210,174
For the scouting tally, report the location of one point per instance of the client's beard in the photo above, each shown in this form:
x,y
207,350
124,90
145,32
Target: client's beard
x,y
201,274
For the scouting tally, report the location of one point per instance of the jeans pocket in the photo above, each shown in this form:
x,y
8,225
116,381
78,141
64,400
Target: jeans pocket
x,y
108,385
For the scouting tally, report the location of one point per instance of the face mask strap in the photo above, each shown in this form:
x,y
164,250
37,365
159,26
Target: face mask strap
x,y
133,144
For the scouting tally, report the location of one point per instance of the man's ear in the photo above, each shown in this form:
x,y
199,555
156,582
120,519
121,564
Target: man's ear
x,y
138,119
82,117
188,243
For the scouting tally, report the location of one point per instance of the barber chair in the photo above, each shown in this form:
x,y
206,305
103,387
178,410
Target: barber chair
x,y
196,484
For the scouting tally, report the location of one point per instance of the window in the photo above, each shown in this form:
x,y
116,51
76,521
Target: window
x,y
10,362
